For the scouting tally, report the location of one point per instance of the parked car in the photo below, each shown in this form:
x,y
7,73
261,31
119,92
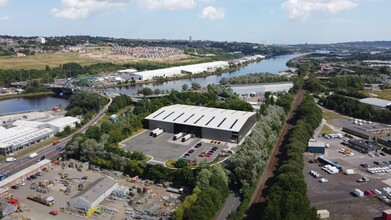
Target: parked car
x,y
53,212
15,187
376,162
323,180
383,154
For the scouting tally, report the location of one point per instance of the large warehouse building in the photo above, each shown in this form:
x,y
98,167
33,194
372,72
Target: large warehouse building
x,y
209,123
173,71
21,134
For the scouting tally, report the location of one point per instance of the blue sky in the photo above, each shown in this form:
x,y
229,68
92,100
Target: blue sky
x,y
260,21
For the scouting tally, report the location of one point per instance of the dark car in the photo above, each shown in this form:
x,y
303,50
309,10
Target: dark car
x,y
198,145
14,187
364,165
383,154
376,162
33,177
190,151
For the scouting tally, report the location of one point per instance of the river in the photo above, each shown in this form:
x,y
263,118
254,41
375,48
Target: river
x,y
30,104
272,65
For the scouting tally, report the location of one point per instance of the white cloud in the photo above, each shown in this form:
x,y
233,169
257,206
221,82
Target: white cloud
x,y
212,13
3,3
3,18
78,9
301,9
170,5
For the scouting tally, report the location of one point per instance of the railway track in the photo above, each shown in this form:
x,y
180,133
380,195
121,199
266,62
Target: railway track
x,y
259,196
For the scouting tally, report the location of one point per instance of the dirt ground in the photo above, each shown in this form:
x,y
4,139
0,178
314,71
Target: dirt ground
x,y
357,209
148,199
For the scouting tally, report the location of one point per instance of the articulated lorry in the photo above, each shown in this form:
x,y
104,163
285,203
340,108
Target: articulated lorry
x,y
46,200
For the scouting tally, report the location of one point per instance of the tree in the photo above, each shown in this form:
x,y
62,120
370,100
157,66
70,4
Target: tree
x,y
185,87
195,86
180,163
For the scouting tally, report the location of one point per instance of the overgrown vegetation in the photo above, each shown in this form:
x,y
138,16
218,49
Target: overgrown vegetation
x,y
254,78
354,108
287,198
249,160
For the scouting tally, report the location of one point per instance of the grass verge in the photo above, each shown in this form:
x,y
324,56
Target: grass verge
x,y
326,130
328,115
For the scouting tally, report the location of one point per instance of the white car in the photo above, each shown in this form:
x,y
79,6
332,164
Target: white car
x,y
323,180
349,155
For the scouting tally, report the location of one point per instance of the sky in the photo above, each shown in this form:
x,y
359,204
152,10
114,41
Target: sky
x,y
257,21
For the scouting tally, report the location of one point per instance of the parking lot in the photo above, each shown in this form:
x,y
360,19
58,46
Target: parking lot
x,y
339,186
163,148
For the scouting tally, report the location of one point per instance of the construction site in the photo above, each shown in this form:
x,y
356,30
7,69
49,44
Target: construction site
x,y
71,190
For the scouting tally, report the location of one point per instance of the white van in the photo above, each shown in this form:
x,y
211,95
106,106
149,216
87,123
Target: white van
x,y
10,159
358,193
32,155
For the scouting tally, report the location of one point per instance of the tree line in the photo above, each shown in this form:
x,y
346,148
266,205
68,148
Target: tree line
x,y
287,198
254,78
248,162
354,108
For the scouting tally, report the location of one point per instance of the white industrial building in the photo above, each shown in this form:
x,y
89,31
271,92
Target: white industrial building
x,y
377,103
209,123
17,138
23,133
94,194
173,71
59,124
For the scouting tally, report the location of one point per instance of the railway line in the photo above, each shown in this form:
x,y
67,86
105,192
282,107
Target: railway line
x,y
259,197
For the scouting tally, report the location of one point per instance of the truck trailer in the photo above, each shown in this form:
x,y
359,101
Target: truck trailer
x,y
46,200
186,137
177,136
153,131
158,132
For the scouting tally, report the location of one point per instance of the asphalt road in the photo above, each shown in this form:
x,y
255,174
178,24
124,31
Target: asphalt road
x,y
49,150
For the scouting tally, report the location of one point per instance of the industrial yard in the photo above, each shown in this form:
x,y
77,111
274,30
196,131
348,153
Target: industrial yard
x,y
75,188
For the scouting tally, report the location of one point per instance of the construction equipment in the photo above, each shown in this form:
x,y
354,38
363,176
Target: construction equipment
x,y
46,200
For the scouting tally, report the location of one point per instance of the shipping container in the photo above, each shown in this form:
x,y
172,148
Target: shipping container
x,y
386,214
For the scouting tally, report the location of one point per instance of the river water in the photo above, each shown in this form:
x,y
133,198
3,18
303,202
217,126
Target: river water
x,y
272,65
30,104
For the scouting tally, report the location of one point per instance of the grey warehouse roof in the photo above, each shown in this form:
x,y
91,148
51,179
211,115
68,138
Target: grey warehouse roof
x,y
96,189
382,103
222,119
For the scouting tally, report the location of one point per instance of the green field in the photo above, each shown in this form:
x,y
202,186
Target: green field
x,y
382,94
328,115
326,130
40,61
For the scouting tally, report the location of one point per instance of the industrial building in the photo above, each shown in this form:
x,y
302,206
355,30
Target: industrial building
x,y
316,147
173,71
376,103
261,88
22,133
94,194
22,175
386,141
366,130
209,123
364,146
59,124
17,138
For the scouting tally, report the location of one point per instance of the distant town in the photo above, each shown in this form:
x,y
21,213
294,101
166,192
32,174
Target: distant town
x,y
114,128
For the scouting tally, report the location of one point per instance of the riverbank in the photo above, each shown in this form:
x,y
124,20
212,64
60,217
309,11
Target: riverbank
x,y
162,80
21,95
